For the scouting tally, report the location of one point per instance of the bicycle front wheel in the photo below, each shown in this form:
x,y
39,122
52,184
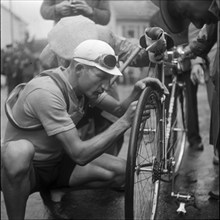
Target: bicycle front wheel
x,y
143,159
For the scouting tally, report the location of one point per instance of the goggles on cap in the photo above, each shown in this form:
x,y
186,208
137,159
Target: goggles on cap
x,y
107,61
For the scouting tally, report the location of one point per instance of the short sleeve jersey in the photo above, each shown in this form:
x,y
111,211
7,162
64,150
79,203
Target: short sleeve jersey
x,y
42,102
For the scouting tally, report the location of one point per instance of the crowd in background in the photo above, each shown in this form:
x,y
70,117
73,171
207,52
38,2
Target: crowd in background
x,y
19,63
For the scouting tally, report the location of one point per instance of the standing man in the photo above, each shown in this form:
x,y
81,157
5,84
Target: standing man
x,y
97,11
11,64
176,15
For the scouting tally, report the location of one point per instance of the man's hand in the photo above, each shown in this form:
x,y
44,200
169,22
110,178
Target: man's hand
x,y
81,7
64,8
129,114
197,74
153,82
187,53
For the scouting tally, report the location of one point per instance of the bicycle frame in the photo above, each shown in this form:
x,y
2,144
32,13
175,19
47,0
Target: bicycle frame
x,y
172,165
167,123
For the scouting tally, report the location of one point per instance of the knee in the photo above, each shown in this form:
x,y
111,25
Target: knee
x,y
17,157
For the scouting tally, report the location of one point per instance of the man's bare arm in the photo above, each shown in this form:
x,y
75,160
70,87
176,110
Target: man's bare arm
x,y
82,152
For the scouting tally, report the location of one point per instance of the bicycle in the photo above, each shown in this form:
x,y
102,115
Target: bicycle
x,y
157,145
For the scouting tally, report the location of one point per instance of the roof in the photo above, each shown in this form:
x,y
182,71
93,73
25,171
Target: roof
x,y
133,10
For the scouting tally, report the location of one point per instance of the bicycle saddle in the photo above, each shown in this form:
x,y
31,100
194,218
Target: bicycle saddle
x,y
156,34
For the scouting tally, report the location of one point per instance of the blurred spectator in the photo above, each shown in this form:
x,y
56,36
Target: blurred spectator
x,y
198,67
98,11
208,66
11,67
26,62
194,138
19,63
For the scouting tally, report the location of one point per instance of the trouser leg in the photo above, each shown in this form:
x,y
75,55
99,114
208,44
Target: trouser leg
x,y
192,111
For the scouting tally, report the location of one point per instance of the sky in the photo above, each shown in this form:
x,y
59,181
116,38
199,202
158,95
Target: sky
x,y
29,11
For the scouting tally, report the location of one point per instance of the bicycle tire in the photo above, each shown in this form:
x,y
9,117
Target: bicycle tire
x,y
178,133
144,150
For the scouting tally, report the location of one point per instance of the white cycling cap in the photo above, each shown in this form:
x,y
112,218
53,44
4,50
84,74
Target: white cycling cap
x,y
99,54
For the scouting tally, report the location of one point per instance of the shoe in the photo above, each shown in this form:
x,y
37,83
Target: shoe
x,y
214,195
197,146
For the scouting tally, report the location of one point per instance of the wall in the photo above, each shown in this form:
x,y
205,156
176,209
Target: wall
x,y
19,28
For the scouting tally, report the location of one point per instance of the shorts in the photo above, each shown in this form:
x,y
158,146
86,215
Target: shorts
x,y
54,177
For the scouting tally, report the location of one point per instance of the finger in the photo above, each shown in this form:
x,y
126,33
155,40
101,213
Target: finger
x,y
155,83
201,77
82,8
194,78
65,13
133,105
141,85
197,76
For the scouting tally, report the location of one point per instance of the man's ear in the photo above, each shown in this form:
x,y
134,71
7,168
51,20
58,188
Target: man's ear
x,y
79,68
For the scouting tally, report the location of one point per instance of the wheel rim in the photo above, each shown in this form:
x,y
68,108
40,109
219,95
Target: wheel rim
x,y
145,190
141,191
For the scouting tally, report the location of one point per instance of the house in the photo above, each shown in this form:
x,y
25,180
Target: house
x,y
129,19
13,28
